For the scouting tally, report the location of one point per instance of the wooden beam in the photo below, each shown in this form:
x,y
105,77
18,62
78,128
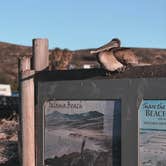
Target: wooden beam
x,y
40,61
40,54
27,113
25,64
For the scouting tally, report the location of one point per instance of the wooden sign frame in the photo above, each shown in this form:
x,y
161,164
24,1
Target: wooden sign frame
x,y
130,91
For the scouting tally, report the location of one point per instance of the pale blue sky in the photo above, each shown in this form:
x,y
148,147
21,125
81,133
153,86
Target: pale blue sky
x,y
77,24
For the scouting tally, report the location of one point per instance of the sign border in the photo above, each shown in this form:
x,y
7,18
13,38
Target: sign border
x,y
64,86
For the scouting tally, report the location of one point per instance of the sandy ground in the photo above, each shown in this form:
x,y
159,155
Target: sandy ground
x,y
153,148
8,143
60,141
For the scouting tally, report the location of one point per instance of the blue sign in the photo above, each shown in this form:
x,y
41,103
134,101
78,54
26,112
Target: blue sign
x,y
153,114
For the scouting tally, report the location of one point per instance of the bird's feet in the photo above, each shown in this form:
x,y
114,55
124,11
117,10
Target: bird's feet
x,y
122,69
119,70
108,74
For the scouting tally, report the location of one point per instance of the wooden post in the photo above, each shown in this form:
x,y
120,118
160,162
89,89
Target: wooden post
x,y
40,62
23,65
40,54
27,113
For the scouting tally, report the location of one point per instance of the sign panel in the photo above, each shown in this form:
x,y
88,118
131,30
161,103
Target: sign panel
x,y
152,132
153,114
82,132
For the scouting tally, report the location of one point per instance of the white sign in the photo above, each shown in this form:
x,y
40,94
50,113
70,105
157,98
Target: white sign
x,y
5,90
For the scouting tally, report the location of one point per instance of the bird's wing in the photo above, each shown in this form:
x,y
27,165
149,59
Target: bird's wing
x,y
109,62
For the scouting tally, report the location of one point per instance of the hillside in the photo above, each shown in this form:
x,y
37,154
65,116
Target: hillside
x,y
87,120
9,54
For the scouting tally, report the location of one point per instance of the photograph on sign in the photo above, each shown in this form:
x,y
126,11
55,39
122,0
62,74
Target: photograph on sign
x,y
82,132
152,145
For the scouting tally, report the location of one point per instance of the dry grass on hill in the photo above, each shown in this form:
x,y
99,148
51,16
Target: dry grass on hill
x,y
62,58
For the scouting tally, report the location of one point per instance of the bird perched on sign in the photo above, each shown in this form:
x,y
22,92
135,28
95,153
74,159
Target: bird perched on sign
x,y
106,58
114,58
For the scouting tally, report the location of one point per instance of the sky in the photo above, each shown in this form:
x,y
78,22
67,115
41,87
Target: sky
x,y
79,24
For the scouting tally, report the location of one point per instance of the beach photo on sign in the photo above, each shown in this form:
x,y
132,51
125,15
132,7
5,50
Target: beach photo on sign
x,y
82,133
